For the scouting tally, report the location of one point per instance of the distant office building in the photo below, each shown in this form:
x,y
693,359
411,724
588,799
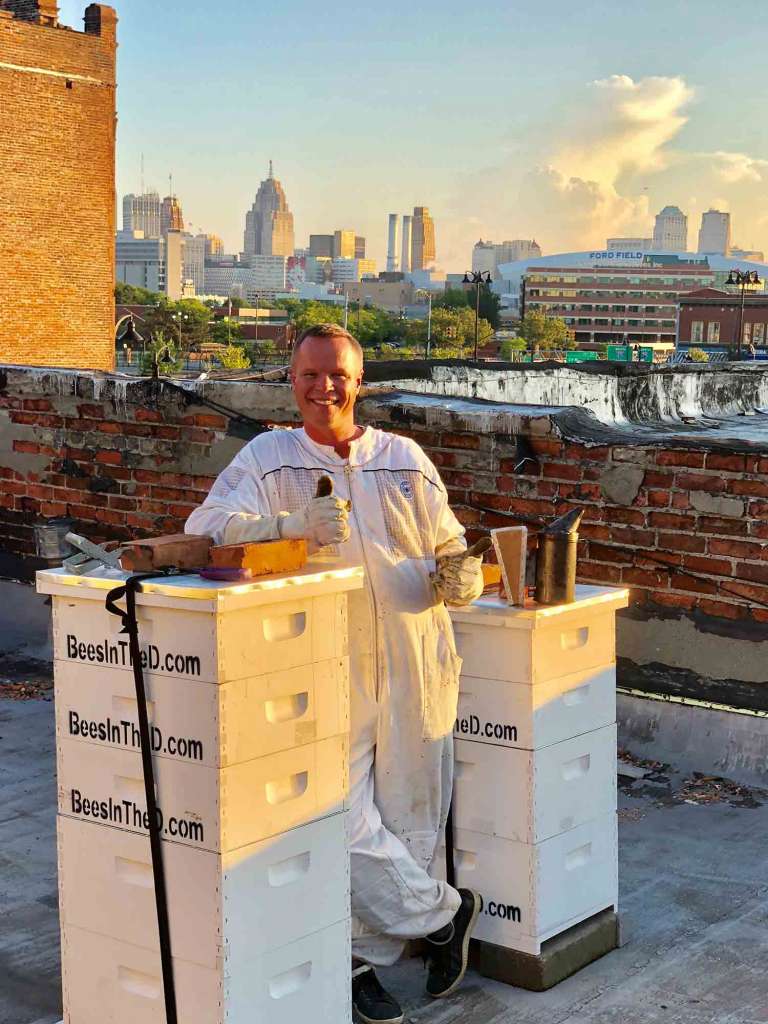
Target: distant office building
x,y
423,250
142,213
318,268
670,232
269,222
359,247
214,247
153,263
487,255
295,272
405,257
484,258
393,296
751,255
393,232
321,245
194,261
171,218
715,233
629,244
344,269
260,278
344,245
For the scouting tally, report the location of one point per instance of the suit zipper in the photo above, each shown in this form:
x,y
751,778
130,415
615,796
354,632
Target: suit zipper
x,y
369,588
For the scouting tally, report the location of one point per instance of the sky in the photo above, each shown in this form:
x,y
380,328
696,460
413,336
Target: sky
x,y
566,121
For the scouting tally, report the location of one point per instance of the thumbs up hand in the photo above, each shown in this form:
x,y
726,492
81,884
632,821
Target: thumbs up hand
x,y
325,520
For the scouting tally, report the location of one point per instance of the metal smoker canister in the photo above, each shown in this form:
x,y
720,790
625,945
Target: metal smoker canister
x,y
556,560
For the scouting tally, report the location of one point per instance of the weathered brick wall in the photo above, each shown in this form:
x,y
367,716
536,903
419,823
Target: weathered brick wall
x,y
684,528
57,198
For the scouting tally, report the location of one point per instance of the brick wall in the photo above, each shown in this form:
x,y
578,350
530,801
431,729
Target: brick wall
x,y
57,201
685,529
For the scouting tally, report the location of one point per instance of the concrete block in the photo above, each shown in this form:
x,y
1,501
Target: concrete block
x,y
714,504
560,957
619,484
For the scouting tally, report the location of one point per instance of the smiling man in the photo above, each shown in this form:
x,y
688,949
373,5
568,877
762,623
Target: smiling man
x,y
389,513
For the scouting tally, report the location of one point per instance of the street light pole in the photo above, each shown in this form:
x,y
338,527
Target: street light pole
x,y
742,278
429,323
476,279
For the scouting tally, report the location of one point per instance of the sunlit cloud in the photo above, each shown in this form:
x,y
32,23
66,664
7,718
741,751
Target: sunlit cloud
x,y
614,160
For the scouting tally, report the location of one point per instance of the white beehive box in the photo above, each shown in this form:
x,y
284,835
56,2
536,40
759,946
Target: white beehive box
x,y
205,630
107,981
208,808
540,643
204,723
531,795
533,892
535,715
261,896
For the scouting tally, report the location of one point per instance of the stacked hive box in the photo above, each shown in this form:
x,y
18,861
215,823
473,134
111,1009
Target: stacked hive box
x,y
535,789
248,700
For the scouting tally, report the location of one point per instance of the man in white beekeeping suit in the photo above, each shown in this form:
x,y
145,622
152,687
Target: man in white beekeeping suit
x,y
389,513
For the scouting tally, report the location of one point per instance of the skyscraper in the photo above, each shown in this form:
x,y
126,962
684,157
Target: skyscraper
x,y
670,233
344,244
359,247
142,213
715,233
171,218
423,251
269,222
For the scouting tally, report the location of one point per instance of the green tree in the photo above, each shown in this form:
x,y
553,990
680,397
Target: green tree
x,y
510,345
545,332
132,295
234,357
452,298
161,355
224,332
458,298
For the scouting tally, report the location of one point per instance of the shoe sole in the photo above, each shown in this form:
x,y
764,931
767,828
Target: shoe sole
x,y
370,1020
464,952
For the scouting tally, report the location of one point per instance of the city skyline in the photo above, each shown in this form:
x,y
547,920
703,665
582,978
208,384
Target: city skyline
x,y
633,123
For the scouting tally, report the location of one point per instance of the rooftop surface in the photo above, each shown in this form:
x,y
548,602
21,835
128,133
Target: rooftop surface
x,y
693,873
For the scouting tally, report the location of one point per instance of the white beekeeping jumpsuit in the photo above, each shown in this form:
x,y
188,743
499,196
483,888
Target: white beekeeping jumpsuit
x,y
404,668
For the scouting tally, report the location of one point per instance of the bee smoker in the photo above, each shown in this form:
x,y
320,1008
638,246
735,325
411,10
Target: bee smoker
x,y
556,559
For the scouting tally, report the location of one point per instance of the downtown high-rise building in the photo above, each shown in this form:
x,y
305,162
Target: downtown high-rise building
x,y
405,257
423,250
143,213
269,222
487,256
393,233
171,218
715,233
670,232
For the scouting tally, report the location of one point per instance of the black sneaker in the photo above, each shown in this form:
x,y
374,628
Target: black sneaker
x,y
371,1001
448,949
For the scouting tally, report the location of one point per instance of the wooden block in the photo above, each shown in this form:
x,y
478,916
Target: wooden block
x,y
491,576
182,550
273,556
510,544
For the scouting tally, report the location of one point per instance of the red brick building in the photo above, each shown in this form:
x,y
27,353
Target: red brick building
x,y
57,200
711,318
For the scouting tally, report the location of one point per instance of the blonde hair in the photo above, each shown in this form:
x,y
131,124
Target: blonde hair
x,y
326,331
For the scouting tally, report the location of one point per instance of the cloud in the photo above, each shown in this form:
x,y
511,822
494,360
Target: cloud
x,y
738,167
618,158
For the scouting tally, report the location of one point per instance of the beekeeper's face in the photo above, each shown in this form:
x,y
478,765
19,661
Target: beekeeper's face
x,y
326,377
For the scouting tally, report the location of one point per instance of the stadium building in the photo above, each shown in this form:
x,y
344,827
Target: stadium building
x,y
607,295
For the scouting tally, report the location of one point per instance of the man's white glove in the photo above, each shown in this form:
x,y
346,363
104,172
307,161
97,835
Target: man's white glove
x,y
458,579
323,521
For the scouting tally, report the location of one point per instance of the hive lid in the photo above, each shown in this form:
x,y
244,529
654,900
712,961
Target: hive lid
x,y
197,594
493,611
